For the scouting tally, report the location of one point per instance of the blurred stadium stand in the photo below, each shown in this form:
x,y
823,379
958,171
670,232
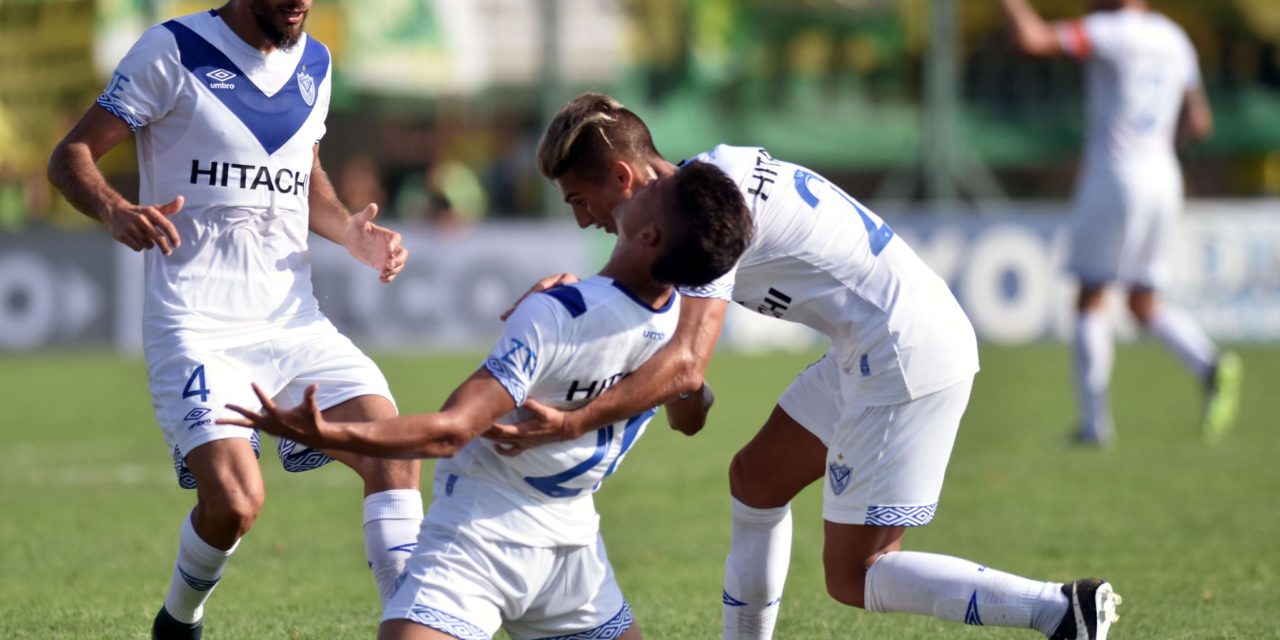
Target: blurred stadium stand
x,y
438,106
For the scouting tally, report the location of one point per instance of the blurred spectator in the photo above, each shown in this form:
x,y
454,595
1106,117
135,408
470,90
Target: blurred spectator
x,y
359,182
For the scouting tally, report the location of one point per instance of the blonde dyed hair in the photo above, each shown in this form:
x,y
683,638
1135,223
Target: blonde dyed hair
x,y
590,131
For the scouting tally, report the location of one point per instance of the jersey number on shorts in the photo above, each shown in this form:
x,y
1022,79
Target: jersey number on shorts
x,y
879,236
196,385
553,485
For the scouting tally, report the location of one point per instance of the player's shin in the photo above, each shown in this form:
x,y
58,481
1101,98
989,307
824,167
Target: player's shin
x,y
1094,353
391,522
756,570
1175,329
958,590
196,572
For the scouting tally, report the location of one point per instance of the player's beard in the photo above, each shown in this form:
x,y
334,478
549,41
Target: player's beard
x,y
282,35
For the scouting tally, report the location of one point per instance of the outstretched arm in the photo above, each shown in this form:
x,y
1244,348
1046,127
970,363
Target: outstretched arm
x,y
677,369
469,411
74,171
1032,34
374,245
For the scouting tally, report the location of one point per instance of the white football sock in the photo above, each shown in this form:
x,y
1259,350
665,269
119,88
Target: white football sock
x,y
1094,353
958,590
756,570
391,522
1177,331
195,573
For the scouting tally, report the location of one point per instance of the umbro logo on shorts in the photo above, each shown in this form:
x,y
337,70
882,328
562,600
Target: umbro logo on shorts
x,y
197,418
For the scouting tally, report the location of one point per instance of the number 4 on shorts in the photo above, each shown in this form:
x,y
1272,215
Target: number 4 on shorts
x,y
196,385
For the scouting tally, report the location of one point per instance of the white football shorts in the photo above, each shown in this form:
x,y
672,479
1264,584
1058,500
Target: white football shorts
x,y
191,386
885,464
1123,228
462,584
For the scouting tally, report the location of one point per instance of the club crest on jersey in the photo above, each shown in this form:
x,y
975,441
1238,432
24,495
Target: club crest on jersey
x,y
839,474
307,87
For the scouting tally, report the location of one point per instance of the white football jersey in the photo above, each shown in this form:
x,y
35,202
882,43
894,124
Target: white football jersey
x,y
233,131
823,260
1139,66
563,348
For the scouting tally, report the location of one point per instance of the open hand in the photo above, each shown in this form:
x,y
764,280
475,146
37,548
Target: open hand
x,y
303,423
145,226
374,245
545,424
540,286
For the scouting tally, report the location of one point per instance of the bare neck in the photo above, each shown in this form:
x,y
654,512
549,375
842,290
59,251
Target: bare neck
x,y
239,18
637,280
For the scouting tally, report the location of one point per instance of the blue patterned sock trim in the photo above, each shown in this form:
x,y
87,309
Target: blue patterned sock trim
x,y
615,627
446,623
901,516
732,601
199,584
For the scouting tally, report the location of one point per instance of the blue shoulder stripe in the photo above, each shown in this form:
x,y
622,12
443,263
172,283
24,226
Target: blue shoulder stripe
x,y
274,119
570,297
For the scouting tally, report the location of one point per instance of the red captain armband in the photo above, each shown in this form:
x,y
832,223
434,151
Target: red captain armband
x,y
1074,40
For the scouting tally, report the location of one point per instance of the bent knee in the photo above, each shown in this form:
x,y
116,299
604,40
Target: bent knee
x,y
747,482
848,588
235,510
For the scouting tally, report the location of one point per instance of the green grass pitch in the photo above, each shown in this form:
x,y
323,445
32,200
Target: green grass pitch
x,y
1189,534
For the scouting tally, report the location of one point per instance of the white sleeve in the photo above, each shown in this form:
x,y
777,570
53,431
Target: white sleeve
x,y
719,289
324,92
145,84
1194,80
528,346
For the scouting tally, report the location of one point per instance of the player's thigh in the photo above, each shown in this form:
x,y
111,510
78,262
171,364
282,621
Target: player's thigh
x,y
379,474
1148,260
780,460
787,454
452,584
407,630
885,465
190,388
580,598
1098,229
350,388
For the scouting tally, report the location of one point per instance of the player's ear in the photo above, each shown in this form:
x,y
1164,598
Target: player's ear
x,y
650,235
621,173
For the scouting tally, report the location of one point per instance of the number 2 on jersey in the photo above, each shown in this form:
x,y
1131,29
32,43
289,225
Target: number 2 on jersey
x,y
553,485
196,385
879,236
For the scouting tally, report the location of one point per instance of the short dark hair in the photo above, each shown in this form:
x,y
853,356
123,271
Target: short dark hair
x,y
707,227
590,131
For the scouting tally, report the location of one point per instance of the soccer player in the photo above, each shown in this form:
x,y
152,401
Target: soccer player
x,y
877,415
1143,91
514,541
228,107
